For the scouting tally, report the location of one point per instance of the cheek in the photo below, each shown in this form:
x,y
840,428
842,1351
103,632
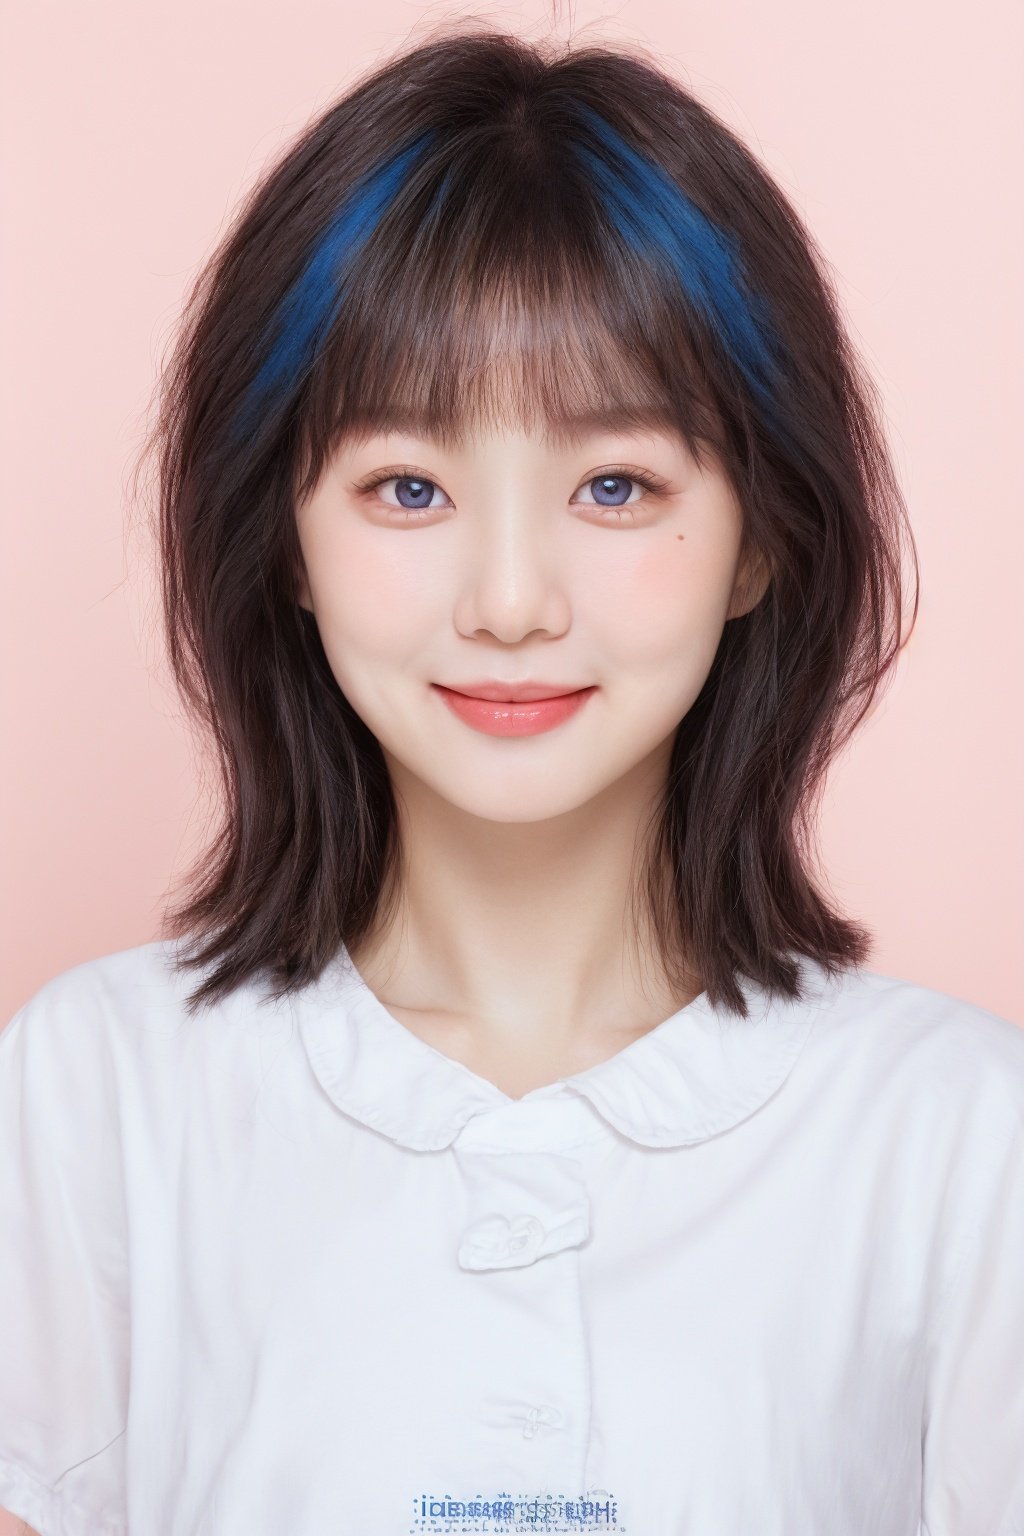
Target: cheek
x,y
671,593
373,601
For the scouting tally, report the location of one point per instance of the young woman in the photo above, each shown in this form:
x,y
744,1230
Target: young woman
x,y
507,1131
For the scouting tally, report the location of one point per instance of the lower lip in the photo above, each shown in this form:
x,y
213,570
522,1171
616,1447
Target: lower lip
x,y
507,718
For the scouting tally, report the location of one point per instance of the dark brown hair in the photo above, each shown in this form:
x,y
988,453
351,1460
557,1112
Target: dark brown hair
x,y
485,228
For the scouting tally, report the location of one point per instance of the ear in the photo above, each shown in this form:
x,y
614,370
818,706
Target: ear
x,y
753,577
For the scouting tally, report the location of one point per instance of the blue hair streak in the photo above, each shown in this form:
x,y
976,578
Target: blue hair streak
x,y
304,317
654,215
651,213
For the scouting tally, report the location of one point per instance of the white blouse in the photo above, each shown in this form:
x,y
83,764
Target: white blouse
x,y
287,1270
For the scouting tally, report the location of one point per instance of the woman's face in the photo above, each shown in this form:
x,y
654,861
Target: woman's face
x,y
519,558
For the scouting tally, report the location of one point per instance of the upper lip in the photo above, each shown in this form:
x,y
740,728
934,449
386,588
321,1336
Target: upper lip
x,y
519,692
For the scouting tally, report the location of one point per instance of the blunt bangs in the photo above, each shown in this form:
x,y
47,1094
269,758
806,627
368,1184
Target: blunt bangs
x,y
557,358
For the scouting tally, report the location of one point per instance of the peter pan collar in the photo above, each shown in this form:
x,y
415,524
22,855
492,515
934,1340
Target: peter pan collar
x,y
698,1073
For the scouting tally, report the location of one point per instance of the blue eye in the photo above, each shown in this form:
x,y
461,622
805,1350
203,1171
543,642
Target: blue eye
x,y
616,487
415,492
419,492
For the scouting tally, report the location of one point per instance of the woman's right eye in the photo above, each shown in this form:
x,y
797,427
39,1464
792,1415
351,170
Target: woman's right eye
x,y
414,493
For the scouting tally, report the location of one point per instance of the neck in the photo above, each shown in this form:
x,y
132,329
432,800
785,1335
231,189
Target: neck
x,y
517,935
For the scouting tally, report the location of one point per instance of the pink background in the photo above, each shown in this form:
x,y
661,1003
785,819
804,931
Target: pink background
x,y
129,134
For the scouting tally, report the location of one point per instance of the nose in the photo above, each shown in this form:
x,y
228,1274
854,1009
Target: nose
x,y
513,583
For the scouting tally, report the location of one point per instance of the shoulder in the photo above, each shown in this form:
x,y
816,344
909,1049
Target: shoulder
x,y
915,1014
143,974
97,1021
922,1048
76,1016
135,987
105,1056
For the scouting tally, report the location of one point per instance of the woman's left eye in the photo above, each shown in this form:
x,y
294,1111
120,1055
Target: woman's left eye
x,y
614,488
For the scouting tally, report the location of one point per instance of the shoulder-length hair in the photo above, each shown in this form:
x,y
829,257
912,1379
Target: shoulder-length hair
x,y
483,226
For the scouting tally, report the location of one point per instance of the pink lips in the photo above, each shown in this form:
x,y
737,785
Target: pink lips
x,y
514,717
492,688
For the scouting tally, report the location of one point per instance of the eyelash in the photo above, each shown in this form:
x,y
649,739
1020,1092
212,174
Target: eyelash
x,y
652,484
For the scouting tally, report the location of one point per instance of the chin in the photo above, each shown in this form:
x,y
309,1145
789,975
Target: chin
x,y
519,801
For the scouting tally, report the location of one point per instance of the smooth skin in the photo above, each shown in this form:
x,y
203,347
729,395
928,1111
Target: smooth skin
x,y
513,951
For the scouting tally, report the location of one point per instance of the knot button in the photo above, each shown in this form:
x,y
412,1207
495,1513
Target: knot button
x,y
545,1415
525,1234
496,1242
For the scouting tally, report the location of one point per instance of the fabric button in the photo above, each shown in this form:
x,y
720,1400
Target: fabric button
x,y
544,1415
526,1233
520,1207
496,1239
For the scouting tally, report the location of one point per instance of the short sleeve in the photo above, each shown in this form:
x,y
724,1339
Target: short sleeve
x,y
64,1321
973,1441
